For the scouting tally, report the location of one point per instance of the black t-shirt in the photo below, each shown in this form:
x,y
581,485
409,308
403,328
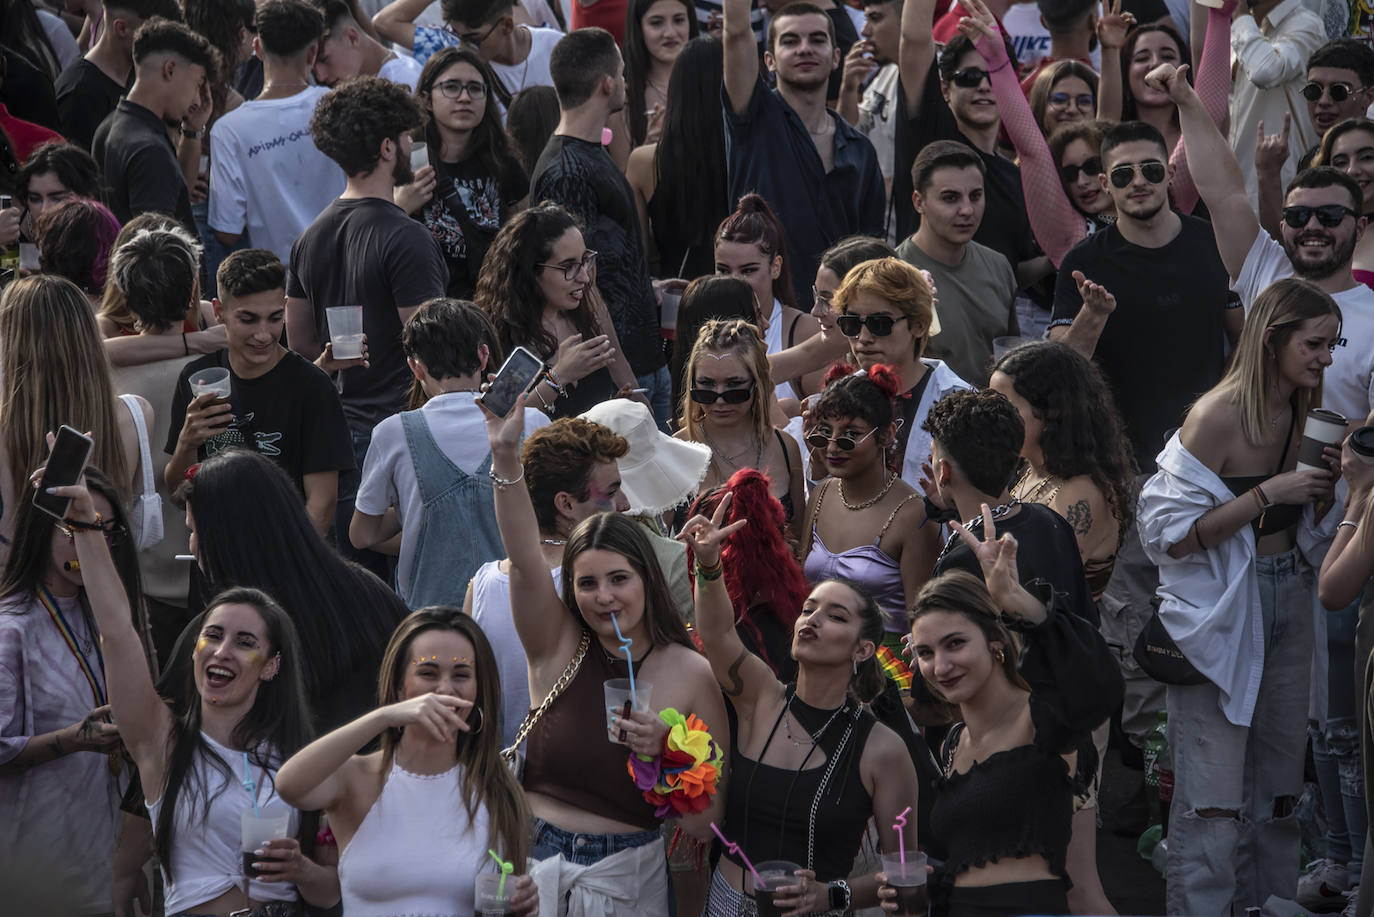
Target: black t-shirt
x,y
1162,346
583,178
290,414
367,252
1046,550
1005,227
85,96
485,200
27,92
140,166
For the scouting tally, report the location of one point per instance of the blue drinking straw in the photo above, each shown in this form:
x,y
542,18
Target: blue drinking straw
x,y
250,785
629,659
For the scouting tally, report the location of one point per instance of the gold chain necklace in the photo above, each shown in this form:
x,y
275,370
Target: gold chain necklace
x,y
892,479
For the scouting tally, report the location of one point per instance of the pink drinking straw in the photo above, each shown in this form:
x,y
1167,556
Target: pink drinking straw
x,y
898,825
734,848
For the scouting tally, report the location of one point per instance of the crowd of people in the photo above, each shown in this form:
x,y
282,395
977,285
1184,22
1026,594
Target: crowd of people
x,y
918,401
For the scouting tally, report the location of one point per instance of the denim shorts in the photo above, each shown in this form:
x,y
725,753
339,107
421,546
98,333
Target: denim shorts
x,y
584,849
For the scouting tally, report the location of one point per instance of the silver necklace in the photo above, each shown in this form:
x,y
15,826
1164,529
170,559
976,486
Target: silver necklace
x,y
718,452
999,511
787,728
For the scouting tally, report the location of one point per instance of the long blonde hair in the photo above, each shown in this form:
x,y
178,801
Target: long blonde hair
x,y
742,339
55,371
1278,312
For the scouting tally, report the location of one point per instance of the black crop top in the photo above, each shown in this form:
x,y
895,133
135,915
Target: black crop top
x,y
1277,517
1019,802
768,809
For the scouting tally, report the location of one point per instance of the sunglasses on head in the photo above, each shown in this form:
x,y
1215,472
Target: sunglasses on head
x,y
728,396
969,77
1091,166
1082,99
1339,92
1124,174
1328,215
845,441
880,326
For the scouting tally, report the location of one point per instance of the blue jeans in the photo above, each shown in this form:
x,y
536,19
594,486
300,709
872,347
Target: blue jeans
x,y
584,849
1245,779
378,563
215,252
660,394
1336,750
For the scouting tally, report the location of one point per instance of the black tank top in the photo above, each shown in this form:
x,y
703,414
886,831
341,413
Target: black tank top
x,y
768,809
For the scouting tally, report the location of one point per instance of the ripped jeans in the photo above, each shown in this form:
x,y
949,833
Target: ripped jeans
x,y
1233,831
1336,749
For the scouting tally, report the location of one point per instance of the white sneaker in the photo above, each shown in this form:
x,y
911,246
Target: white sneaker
x,y
1351,898
1322,888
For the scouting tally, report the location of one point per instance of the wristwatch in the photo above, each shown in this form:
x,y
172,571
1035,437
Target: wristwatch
x,y
839,895
192,133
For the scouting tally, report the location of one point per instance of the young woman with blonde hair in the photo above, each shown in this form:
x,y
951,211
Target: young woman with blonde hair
x,y
415,819
727,405
1227,518
886,308
54,371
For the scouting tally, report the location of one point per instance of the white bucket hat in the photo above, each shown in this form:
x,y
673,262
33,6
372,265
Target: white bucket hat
x,y
659,472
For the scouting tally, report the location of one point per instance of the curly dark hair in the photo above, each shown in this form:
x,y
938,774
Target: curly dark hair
x,y
981,432
74,241
73,166
351,122
1082,433
508,284
221,22
560,458
867,395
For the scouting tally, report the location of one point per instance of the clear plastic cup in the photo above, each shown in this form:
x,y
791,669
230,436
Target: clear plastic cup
x,y
775,874
419,156
669,300
489,899
618,698
906,873
345,331
214,380
257,828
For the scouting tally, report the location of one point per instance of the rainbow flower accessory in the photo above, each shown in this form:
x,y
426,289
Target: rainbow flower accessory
x,y
894,667
682,779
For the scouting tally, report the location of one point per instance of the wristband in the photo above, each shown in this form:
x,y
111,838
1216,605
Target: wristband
x,y
1264,498
553,380
713,572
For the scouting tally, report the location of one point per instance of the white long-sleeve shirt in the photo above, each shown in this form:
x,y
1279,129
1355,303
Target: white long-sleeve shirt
x,y
1268,71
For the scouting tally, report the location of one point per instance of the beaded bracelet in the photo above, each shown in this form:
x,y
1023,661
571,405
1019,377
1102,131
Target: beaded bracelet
x,y
502,483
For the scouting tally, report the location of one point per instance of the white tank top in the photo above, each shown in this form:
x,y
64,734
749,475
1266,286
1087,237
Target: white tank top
x,y
416,851
773,340
206,856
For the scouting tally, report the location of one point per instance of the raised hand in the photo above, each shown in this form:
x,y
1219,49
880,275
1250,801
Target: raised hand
x,y
980,26
1113,26
1271,150
1095,296
997,558
504,432
435,713
706,536
1170,79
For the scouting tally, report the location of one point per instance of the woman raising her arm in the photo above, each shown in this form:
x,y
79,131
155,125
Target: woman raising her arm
x,y
810,766
415,819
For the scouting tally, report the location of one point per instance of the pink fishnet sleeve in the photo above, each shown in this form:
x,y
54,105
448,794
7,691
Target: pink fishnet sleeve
x,y
1213,85
1058,227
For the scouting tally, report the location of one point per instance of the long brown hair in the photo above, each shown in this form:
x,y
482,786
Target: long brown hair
x,y
960,592
487,782
54,371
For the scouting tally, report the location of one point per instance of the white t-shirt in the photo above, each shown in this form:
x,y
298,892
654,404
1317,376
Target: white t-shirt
x,y
534,69
402,69
491,609
388,477
1031,39
266,173
1348,388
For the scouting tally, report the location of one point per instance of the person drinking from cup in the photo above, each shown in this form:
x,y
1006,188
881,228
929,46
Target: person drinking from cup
x,y
208,774
415,819
1228,520
810,765
591,774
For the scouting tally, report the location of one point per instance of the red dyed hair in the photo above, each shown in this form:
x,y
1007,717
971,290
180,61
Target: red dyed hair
x,y
757,559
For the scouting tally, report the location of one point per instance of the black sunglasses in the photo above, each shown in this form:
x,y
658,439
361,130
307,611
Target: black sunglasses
x,y
729,395
880,326
1339,91
846,441
1328,215
1152,169
969,77
1090,166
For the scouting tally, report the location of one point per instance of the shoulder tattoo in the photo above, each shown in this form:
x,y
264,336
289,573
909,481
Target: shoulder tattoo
x,y
1080,516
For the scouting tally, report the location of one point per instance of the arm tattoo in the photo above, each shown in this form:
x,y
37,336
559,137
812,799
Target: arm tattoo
x,y
736,686
1080,517
57,750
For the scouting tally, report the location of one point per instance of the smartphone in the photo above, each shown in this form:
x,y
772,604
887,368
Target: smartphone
x,y
68,459
517,376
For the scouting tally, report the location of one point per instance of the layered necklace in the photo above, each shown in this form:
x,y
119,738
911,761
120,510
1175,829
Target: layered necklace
x,y
719,453
854,507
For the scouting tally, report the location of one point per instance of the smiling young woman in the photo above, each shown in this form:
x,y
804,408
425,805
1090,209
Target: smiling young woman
x,y
1228,489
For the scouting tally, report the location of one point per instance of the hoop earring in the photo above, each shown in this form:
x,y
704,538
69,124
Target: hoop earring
x,y
1000,656
480,722
856,666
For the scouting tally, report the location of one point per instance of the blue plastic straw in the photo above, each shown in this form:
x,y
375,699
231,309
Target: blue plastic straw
x,y
629,659
250,785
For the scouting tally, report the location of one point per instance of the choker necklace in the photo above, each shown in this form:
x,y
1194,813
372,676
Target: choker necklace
x,y
892,479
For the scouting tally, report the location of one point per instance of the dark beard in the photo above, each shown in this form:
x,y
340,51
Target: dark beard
x,y
401,173
1339,258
